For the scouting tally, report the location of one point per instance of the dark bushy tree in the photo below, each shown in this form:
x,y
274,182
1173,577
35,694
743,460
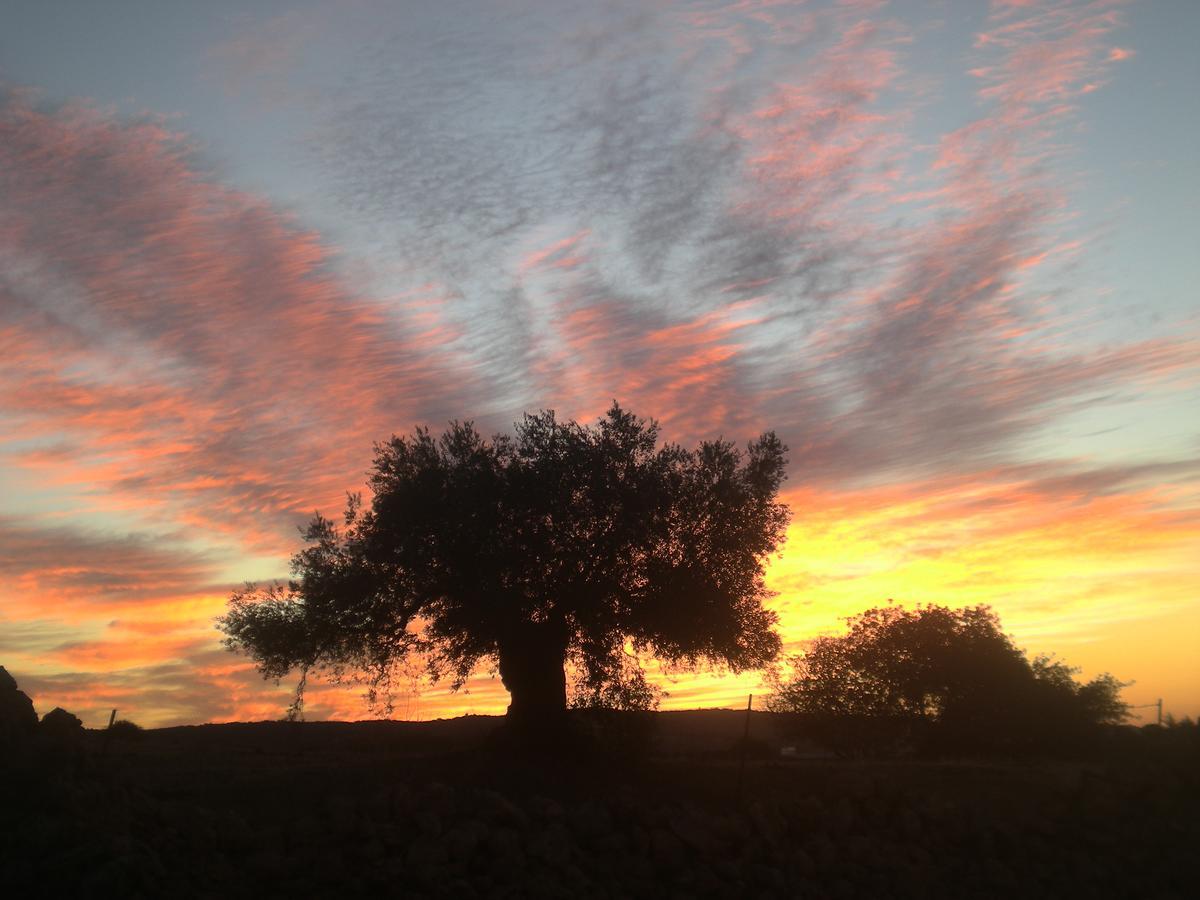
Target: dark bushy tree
x,y
563,543
125,730
951,678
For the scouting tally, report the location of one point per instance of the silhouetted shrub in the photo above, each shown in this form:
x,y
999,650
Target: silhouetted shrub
x,y
941,681
621,733
1175,739
853,736
60,724
754,748
123,729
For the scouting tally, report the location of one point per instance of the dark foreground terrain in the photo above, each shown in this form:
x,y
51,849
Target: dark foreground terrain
x,y
444,809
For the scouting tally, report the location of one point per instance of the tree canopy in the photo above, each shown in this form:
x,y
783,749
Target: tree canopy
x,y
562,543
951,672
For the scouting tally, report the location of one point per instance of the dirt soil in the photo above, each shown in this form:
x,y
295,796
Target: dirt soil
x,y
450,809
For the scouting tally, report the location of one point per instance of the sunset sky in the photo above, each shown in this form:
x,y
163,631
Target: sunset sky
x,y
948,250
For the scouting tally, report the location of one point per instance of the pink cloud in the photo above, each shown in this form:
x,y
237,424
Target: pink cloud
x,y
1049,53
561,254
193,344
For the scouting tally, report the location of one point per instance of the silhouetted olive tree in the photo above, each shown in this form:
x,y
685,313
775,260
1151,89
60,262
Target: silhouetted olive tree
x,y
562,543
949,679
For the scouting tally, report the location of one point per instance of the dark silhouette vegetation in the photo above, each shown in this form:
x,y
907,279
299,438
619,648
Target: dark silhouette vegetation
x,y
18,718
563,547
125,730
943,681
62,725
371,809
562,556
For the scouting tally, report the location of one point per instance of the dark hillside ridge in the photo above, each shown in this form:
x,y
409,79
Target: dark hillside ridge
x,y
439,809
695,731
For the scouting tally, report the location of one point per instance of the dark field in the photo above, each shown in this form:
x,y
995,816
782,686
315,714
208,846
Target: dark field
x,y
446,809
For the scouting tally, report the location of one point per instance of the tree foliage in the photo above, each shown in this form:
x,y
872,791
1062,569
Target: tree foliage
x,y
562,542
948,678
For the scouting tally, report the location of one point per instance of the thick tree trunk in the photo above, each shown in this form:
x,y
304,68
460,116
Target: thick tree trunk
x,y
531,662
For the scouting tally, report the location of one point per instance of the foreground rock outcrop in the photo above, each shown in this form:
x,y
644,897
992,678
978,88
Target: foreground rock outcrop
x,y
62,725
18,719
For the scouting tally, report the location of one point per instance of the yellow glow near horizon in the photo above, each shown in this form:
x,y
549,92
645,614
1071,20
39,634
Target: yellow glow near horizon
x,y
1108,582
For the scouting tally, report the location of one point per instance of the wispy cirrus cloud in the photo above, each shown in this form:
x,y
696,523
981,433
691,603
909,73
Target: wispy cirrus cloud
x,y
727,227
177,341
76,573
690,164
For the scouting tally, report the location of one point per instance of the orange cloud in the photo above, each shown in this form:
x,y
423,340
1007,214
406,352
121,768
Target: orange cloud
x,y
1069,557
190,344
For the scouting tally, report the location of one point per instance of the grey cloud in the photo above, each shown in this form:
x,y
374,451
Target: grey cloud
x,y
102,566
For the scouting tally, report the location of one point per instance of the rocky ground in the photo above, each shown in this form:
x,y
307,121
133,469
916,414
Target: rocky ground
x,y
373,809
